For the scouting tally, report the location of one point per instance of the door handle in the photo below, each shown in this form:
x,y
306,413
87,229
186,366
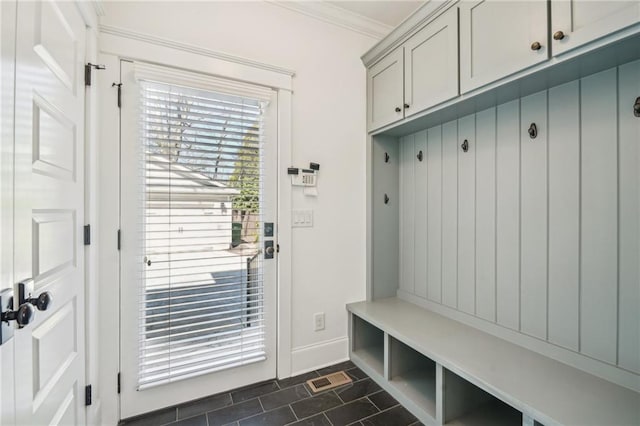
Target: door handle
x,y
25,289
23,316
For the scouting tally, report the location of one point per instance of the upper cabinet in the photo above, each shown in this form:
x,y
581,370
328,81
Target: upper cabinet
x,y
420,73
445,55
431,64
384,91
499,38
576,22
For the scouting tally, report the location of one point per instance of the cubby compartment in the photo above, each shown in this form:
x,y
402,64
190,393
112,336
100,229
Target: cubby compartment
x,y
466,404
413,375
368,345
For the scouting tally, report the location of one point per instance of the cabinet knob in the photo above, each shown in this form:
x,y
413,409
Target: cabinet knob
x,y
398,109
558,35
536,45
406,106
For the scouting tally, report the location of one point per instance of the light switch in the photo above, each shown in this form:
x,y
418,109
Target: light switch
x,y
302,218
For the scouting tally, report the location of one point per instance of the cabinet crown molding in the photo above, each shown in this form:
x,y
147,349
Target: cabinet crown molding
x,y
430,10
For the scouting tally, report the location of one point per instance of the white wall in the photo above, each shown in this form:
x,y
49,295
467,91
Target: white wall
x,y
328,127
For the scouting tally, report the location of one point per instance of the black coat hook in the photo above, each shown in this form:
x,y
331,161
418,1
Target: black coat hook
x,y
419,156
386,199
533,131
386,157
465,146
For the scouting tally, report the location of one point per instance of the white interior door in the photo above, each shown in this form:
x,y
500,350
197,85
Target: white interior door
x,y
48,210
198,161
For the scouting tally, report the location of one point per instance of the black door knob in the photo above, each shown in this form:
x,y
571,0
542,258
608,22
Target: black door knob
x,y
42,302
23,316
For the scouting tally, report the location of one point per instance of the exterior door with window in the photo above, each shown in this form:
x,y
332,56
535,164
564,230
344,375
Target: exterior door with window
x,y
198,196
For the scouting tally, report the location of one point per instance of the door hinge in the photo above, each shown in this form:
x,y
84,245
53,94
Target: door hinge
x,y
119,86
119,239
87,72
87,235
118,382
87,395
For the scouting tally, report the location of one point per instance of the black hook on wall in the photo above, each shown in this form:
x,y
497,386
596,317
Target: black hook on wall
x,y
386,199
465,146
386,157
533,131
419,155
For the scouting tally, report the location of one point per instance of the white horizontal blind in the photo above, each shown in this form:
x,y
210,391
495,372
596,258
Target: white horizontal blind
x,y
201,292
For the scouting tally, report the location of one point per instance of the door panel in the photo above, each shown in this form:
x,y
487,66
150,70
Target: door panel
x,y
585,21
431,64
496,38
49,193
385,91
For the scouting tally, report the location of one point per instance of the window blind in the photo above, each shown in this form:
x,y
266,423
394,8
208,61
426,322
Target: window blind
x,y
201,287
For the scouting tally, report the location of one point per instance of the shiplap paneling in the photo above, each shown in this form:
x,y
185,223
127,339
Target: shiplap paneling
x,y
541,235
467,216
433,158
564,214
486,214
629,225
533,216
508,215
407,211
421,214
450,214
599,231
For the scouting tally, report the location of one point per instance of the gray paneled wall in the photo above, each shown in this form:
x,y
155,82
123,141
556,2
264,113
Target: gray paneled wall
x,y
537,235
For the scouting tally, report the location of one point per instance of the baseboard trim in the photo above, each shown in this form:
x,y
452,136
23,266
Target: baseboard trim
x,y
319,355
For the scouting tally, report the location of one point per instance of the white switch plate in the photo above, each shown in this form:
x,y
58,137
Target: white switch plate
x,y
302,218
318,321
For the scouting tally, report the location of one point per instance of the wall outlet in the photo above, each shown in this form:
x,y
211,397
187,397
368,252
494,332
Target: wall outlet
x,y
318,321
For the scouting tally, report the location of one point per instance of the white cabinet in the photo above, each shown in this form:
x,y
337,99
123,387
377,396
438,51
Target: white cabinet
x,y
431,64
499,38
419,74
384,91
576,22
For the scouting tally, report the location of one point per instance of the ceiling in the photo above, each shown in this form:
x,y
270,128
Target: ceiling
x,y
388,12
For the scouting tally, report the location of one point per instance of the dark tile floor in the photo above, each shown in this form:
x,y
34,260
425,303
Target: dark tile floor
x,y
290,402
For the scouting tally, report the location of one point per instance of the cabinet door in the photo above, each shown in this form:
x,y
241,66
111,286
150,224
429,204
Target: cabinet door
x,y
431,64
384,91
576,22
497,39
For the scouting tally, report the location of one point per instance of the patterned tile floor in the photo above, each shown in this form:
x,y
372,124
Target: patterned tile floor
x,y
290,402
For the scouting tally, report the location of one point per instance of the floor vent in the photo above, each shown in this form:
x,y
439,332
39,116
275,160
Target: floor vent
x,y
329,381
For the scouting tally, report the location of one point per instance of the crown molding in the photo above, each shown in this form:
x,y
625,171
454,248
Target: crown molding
x,y
336,15
159,41
412,24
